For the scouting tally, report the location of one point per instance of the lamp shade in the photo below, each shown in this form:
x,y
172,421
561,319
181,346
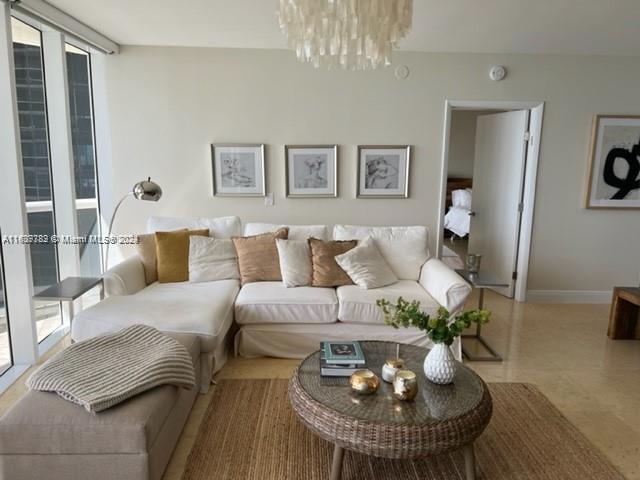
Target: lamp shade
x,y
147,190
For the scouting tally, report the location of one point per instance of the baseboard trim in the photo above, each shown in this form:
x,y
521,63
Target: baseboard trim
x,y
569,296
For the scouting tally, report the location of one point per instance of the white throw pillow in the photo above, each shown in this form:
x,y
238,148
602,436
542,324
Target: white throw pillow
x,y
212,259
295,262
366,266
405,249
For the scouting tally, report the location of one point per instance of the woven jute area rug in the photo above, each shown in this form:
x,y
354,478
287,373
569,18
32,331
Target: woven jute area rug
x,y
250,432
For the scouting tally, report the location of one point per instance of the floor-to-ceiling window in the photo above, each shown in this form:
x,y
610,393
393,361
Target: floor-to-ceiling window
x,y
5,341
36,164
50,215
84,158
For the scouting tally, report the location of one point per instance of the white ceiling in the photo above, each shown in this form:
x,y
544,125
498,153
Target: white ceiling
x,y
491,26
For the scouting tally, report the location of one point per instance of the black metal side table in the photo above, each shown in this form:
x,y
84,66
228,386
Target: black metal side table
x,y
481,280
70,289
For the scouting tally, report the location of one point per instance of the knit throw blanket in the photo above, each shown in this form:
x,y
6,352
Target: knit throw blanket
x,y
103,371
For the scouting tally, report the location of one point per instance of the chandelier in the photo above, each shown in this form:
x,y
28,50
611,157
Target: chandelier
x,y
354,34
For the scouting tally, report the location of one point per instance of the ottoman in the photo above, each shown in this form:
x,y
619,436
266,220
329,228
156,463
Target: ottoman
x,y
45,436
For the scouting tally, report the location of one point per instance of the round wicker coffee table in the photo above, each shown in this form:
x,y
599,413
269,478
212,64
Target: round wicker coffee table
x,y
440,418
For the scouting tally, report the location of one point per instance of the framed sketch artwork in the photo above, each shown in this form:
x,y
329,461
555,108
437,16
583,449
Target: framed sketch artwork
x,y
311,170
238,170
383,171
614,163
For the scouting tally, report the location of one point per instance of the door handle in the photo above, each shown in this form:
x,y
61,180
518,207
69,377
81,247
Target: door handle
x,y
472,214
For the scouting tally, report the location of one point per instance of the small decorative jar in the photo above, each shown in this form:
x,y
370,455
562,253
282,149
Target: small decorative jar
x,y
440,365
390,367
364,382
405,385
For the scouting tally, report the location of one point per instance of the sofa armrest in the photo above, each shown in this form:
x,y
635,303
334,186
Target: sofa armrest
x,y
445,286
125,278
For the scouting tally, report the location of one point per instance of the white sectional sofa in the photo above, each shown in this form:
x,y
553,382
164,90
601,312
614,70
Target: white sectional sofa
x,y
274,320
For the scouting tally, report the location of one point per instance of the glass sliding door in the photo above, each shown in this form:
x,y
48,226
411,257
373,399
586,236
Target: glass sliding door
x,y
6,359
36,161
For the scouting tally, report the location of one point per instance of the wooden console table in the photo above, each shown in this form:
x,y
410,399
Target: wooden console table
x,y
625,308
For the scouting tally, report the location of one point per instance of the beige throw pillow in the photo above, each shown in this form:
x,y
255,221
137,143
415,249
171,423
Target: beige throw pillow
x,y
366,267
295,262
325,272
258,256
172,251
212,259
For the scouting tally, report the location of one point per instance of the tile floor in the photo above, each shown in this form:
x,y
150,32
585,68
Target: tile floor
x,y
563,349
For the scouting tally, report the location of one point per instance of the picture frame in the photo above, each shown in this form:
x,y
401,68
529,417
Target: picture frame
x,y
238,170
614,163
383,171
311,171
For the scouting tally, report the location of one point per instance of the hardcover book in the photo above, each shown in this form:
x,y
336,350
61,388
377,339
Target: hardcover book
x,y
343,353
336,370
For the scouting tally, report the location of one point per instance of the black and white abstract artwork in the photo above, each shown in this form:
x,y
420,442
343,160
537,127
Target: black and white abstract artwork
x,y
311,171
238,170
614,180
383,171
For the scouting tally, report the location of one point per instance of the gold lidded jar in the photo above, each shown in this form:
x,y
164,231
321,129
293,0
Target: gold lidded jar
x,y
390,367
364,382
405,385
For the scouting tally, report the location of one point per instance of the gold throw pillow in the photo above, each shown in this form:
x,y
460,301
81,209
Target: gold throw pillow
x,y
172,253
146,249
258,256
325,271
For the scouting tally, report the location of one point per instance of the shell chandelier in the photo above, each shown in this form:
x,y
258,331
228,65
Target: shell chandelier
x,y
353,34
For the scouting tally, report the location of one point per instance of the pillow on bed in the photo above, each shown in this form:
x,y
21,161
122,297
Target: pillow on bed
x,y
461,198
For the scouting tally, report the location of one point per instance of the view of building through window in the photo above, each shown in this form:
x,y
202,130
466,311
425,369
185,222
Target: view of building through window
x,y
36,162
84,159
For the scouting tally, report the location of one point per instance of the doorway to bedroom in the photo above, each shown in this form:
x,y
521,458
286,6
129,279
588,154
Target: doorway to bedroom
x,y
489,169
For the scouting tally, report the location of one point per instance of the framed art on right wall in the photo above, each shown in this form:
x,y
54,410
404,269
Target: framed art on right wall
x,y
614,162
383,171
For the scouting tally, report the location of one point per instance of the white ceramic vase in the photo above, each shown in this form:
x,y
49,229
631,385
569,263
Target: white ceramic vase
x,y
440,364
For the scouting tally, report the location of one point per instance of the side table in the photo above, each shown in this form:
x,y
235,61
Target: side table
x,y
481,280
625,307
70,289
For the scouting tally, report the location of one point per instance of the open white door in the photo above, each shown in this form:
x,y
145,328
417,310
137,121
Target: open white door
x,y
498,175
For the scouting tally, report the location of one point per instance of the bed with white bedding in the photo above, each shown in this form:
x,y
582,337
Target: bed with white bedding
x,y
458,218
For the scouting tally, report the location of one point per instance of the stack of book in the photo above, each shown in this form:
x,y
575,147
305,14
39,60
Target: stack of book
x,y
340,359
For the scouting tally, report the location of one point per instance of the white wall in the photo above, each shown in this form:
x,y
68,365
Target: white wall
x,y
462,143
168,104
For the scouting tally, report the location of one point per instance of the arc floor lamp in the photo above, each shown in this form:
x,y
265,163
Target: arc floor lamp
x,y
143,190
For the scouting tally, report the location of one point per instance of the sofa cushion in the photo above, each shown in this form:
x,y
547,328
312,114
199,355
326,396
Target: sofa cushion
x,y
359,306
366,266
212,259
46,424
202,309
295,262
296,232
258,259
172,254
404,248
272,302
220,227
325,271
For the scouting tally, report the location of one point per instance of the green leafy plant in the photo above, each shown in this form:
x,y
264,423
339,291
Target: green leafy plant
x,y
440,329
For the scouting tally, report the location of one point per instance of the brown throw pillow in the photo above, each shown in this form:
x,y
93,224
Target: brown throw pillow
x,y
146,250
172,253
258,256
325,271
